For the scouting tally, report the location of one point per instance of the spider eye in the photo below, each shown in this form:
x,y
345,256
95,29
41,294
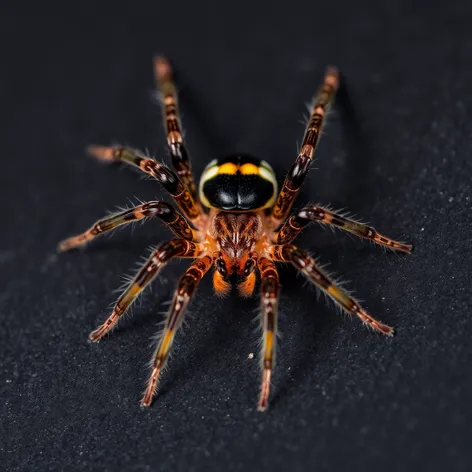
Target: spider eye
x,y
221,267
249,267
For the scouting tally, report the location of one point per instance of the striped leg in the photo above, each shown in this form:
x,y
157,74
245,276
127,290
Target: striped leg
x,y
296,176
269,305
162,210
307,265
186,288
295,223
159,258
169,180
175,142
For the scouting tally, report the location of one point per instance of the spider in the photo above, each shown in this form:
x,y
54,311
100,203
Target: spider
x,y
237,223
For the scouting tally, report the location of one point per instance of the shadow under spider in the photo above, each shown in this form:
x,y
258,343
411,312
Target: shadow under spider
x,y
223,332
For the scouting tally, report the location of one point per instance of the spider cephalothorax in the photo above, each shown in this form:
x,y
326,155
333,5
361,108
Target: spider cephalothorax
x,y
236,237
238,224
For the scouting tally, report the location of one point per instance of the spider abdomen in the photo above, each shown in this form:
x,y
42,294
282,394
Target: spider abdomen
x,y
238,183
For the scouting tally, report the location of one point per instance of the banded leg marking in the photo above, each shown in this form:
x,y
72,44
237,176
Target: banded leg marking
x,y
172,218
172,122
159,258
295,224
296,176
169,180
269,307
308,267
185,290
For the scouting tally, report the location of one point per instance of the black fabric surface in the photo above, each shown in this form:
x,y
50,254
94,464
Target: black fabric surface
x,y
396,152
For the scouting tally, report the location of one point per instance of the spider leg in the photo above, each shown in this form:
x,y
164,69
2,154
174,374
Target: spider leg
x,y
159,258
171,217
308,267
296,176
172,123
183,294
169,179
295,224
269,306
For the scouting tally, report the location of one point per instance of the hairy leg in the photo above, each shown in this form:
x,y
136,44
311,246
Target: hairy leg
x,y
159,258
269,305
172,123
172,218
296,176
308,267
183,294
169,179
295,224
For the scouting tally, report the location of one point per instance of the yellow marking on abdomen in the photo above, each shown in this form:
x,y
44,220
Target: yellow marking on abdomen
x,y
248,169
228,168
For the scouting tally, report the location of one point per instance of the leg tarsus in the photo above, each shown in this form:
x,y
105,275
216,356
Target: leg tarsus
x,y
265,390
96,335
150,392
162,69
101,153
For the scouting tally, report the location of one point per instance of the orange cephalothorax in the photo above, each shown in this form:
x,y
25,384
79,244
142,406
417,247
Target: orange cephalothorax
x,y
236,236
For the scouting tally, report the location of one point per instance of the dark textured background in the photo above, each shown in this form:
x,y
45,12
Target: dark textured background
x,y
396,152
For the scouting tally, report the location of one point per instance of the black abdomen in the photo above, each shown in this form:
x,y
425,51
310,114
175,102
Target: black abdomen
x,y
238,183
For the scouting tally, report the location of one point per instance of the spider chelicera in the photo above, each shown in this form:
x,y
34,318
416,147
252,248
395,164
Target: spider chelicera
x,y
237,223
